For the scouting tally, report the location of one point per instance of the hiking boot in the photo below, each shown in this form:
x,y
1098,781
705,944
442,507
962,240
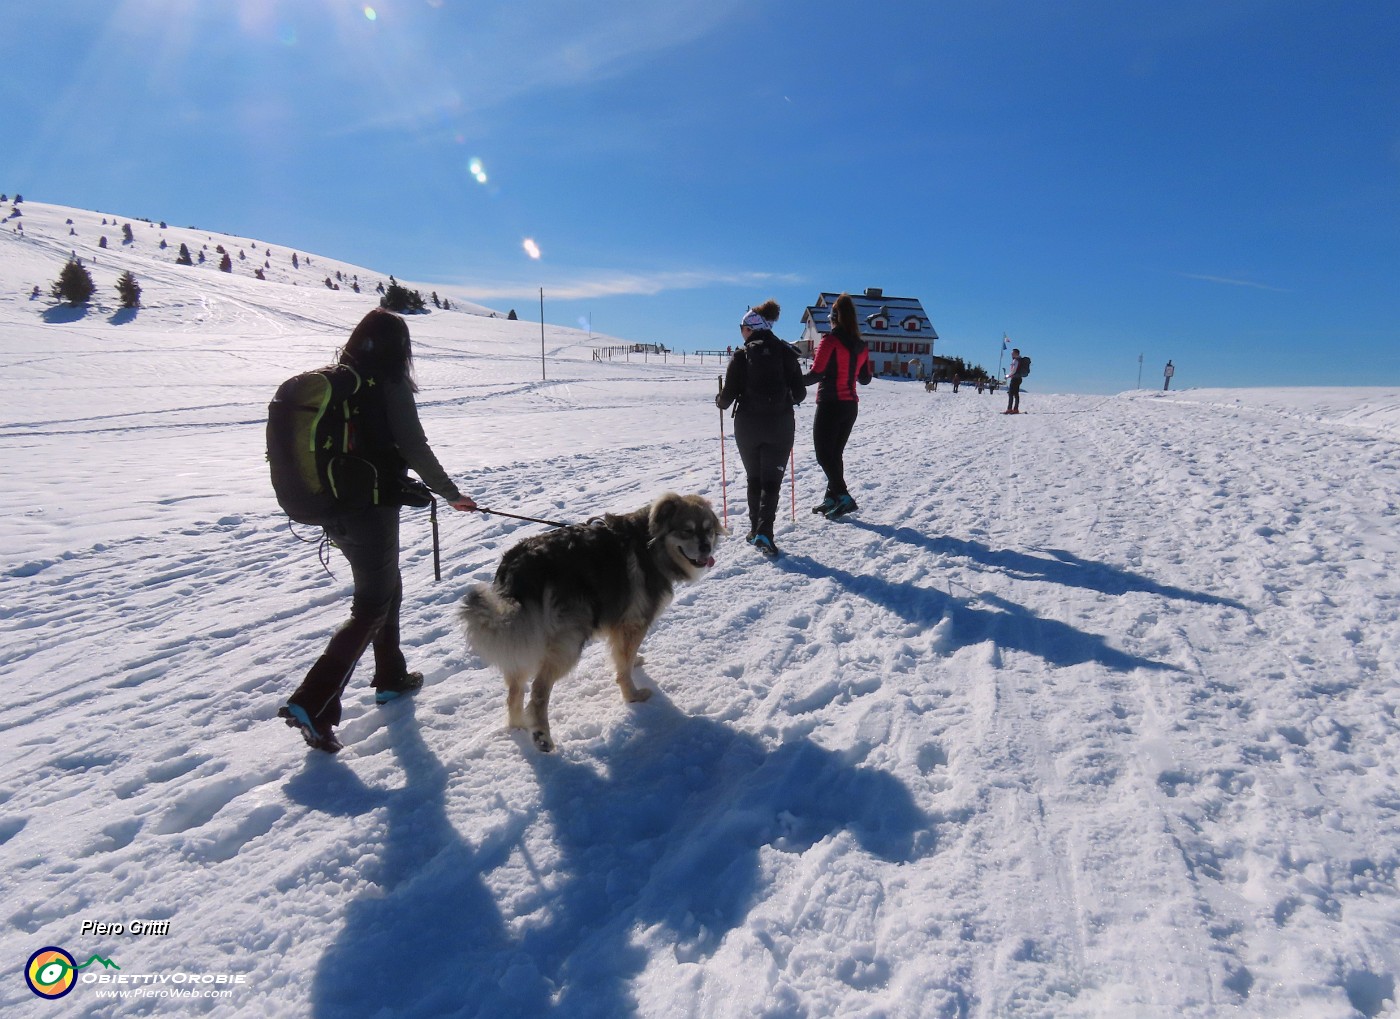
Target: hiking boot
x,y
826,505
386,690
764,544
845,504
317,738
753,533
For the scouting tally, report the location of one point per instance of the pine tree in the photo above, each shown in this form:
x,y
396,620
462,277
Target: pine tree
x,y
127,237
184,257
129,290
396,298
74,283
226,263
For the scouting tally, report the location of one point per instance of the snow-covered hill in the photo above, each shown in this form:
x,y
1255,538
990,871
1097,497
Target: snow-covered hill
x,y
1089,712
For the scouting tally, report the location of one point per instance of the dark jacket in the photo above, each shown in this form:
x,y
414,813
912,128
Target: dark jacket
x,y
736,377
840,363
391,436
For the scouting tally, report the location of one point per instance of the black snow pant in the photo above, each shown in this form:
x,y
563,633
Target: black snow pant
x,y
369,540
831,430
765,443
1013,394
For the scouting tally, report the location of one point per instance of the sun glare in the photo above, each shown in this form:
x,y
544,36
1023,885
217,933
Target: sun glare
x,y
531,248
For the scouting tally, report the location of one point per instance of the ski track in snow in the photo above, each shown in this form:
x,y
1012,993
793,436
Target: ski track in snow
x,y
1090,712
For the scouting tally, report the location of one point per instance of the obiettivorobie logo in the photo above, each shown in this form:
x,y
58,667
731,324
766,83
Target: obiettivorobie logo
x,y
51,972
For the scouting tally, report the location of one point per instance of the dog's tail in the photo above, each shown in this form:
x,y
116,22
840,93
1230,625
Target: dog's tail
x,y
500,630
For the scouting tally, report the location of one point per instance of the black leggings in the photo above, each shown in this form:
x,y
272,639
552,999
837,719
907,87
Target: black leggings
x,y
831,430
1013,394
765,443
369,540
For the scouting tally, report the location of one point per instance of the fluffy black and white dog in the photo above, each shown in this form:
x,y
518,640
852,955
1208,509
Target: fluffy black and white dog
x,y
611,577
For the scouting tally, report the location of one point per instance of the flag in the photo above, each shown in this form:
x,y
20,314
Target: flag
x,y
1005,341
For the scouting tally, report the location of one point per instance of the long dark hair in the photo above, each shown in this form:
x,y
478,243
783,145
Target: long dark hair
x,y
844,323
380,345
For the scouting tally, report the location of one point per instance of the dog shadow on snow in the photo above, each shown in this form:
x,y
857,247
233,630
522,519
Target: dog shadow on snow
x,y
661,827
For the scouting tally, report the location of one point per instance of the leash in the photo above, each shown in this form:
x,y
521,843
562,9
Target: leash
x,y
515,516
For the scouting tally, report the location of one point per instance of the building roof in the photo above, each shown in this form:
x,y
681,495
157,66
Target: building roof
x,y
871,306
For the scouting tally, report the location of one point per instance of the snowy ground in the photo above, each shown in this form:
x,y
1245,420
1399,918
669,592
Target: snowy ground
x,y
1090,712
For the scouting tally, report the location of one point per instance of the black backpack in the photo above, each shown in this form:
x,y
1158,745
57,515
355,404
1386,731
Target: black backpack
x,y
1024,368
313,427
765,381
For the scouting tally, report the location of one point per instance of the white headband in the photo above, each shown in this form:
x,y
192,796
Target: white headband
x,y
754,320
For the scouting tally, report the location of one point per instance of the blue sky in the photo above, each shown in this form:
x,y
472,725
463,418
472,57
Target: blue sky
x,y
1212,181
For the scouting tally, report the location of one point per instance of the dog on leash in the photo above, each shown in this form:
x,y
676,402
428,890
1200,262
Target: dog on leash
x,y
610,578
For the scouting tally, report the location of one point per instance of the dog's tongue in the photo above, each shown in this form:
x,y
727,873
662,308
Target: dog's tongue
x,y
710,561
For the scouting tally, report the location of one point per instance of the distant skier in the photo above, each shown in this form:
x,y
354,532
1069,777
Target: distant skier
x,y
1014,374
1167,374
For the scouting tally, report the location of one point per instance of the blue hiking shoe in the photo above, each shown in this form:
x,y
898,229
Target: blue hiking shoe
x,y
826,505
764,544
386,690
317,738
845,504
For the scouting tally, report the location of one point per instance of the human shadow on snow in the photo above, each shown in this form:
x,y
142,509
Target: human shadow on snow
x,y
1061,567
972,621
661,827
432,941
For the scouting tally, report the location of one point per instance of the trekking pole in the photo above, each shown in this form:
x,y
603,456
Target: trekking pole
x,y
437,558
792,475
723,491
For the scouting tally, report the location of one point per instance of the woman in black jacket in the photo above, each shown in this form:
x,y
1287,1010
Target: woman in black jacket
x,y
766,380
391,436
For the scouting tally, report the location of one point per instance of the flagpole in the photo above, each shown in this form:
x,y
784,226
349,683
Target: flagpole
x,y
1005,340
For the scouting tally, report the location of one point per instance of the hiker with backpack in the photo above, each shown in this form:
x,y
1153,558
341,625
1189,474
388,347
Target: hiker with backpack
x,y
1019,368
381,418
766,381
842,362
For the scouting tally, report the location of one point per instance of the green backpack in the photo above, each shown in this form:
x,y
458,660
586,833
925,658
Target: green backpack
x,y
312,427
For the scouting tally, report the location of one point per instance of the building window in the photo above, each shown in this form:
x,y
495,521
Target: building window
x,y
911,325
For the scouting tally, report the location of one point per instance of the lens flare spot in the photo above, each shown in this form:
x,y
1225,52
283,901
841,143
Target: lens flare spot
x,y
531,248
371,14
477,170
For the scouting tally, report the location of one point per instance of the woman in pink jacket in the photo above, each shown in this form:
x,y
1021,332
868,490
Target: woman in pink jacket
x,y
841,363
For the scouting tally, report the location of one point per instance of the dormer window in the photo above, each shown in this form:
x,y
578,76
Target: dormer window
x,y
911,325
877,322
